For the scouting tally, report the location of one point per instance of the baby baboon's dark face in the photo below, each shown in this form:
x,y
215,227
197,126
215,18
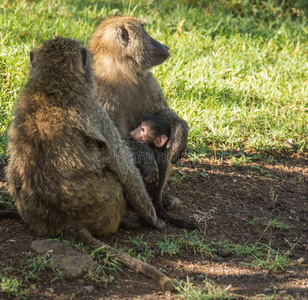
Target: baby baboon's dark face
x,y
144,133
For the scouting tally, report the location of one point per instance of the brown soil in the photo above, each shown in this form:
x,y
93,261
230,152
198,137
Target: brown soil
x,y
237,202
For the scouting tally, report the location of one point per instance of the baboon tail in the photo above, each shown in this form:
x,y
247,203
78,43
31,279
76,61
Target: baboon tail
x,y
84,236
177,222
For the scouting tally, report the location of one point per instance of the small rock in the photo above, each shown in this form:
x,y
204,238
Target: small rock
x,y
89,288
282,292
290,279
224,253
71,262
300,260
217,258
51,290
118,286
267,290
44,246
293,212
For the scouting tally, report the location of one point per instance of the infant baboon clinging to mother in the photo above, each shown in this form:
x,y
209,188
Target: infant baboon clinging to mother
x,y
123,53
69,171
155,131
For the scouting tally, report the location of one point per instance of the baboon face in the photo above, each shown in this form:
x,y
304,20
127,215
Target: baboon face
x,y
148,134
125,39
143,134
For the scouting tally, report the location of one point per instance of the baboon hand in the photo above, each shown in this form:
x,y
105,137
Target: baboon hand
x,y
160,224
152,220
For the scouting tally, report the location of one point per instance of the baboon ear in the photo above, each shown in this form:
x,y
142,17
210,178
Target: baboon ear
x,y
31,58
160,141
84,56
122,35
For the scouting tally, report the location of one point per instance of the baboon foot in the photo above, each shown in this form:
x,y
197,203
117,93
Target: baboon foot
x,y
170,202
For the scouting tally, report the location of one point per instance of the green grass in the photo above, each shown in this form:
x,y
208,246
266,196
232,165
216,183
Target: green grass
x,y
106,268
6,203
258,255
12,287
209,290
39,264
169,246
237,71
141,246
15,283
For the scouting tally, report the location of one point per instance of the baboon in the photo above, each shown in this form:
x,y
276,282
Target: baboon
x,y
68,171
155,131
123,53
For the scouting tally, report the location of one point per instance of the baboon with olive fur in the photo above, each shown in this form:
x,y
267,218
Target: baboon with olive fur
x,y
69,172
122,54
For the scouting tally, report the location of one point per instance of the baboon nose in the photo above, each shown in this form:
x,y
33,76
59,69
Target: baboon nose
x,y
166,47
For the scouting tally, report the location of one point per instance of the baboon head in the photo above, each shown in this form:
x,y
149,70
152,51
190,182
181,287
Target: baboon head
x,y
56,60
124,39
153,131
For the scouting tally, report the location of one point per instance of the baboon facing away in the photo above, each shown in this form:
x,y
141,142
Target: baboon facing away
x,y
122,54
69,172
155,132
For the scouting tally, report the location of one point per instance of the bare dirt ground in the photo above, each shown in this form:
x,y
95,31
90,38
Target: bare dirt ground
x,y
238,203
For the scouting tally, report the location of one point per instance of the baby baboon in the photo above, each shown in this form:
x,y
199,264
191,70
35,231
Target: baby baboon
x,y
122,54
69,171
155,131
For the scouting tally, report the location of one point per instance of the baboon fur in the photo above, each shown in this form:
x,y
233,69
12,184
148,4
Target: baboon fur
x,y
68,165
123,53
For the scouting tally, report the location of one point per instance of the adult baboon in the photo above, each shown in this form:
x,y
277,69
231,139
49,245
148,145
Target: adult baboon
x,y
122,54
69,172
